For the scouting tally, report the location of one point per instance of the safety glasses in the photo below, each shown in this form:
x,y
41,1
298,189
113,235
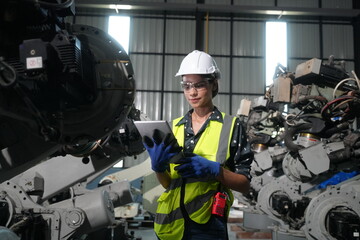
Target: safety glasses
x,y
198,86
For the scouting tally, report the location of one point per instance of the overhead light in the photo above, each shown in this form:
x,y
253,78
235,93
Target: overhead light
x,y
274,12
120,6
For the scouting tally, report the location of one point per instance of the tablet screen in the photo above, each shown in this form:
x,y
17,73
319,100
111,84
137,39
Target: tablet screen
x,y
146,128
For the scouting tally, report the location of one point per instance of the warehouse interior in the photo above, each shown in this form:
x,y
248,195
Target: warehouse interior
x,y
73,165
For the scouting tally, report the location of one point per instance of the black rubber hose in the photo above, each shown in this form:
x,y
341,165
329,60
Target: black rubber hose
x,y
340,127
290,133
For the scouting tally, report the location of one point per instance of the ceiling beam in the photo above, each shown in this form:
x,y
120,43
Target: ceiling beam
x,y
219,9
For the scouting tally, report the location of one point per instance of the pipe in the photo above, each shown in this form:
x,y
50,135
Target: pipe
x,y
207,33
290,133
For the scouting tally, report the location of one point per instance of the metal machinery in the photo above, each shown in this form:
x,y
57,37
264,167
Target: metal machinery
x,y
305,136
66,111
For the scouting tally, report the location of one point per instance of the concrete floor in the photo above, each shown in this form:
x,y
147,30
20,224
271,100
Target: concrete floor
x,y
146,233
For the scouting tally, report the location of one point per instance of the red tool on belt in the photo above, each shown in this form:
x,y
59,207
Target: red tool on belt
x,y
219,204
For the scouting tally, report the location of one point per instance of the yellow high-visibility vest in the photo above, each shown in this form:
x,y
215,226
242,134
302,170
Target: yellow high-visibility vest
x,y
214,145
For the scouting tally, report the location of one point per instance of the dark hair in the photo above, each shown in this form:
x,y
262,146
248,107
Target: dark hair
x,y
209,77
215,92
212,78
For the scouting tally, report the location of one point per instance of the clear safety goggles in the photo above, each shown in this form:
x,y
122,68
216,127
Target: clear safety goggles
x,y
198,86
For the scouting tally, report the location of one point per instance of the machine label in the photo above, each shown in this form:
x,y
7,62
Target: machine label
x,y
34,62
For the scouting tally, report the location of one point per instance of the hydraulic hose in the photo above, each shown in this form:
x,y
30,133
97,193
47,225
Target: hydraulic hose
x,y
290,133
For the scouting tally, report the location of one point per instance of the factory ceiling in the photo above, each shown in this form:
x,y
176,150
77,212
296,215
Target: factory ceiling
x,y
111,6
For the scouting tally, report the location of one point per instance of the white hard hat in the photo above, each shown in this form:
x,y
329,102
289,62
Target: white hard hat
x,y
198,62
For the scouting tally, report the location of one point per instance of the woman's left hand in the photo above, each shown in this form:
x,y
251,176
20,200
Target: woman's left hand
x,y
196,166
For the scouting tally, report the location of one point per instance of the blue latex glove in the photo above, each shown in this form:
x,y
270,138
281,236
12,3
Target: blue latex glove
x,y
161,150
196,166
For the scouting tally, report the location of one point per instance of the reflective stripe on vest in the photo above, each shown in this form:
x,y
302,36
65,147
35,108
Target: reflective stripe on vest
x,y
214,145
176,214
222,153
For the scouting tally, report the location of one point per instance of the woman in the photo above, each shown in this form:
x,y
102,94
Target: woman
x,y
198,193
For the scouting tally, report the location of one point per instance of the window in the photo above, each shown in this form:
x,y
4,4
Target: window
x,y
119,28
276,48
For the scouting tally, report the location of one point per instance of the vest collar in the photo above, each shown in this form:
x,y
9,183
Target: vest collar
x,y
215,116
